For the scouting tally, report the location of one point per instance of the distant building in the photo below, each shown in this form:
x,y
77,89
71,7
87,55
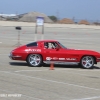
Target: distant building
x,y
8,16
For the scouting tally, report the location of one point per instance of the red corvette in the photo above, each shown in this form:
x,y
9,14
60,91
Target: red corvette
x,y
51,51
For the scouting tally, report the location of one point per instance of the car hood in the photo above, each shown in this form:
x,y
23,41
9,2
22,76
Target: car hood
x,y
79,51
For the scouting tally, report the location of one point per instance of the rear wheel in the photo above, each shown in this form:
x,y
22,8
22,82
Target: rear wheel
x,y
34,60
87,62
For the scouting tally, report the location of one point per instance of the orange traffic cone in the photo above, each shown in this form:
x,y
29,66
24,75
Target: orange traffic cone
x,y
51,66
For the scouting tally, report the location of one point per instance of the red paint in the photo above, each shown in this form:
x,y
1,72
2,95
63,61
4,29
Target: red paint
x,y
58,54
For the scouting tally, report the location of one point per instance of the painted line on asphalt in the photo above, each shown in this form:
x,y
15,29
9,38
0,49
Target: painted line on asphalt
x,y
67,70
83,74
52,81
90,98
70,41
30,70
59,70
21,94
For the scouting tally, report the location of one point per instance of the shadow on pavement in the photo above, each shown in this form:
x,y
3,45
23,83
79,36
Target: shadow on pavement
x,y
48,65
18,63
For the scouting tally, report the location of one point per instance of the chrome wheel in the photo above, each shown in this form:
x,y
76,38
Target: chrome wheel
x,y
87,62
34,60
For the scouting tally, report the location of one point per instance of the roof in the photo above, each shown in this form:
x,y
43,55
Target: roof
x,y
47,41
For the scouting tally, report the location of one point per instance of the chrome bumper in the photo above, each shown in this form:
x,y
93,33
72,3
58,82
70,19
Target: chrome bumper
x,y
13,57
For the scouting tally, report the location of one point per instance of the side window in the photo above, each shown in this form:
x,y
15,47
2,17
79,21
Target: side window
x,y
55,45
32,44
46,45
50,45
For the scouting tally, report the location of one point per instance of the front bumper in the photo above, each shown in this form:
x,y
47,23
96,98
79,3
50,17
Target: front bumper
x,y
14,57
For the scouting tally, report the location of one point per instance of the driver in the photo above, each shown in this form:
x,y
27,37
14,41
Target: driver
x,y
46,45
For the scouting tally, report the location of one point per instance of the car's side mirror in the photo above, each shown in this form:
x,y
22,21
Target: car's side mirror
x,y
57,48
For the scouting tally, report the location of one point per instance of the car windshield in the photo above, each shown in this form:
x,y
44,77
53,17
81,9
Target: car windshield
x,y
62,45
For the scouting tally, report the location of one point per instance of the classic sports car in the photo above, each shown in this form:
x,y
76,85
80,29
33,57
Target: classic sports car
x,y
51,51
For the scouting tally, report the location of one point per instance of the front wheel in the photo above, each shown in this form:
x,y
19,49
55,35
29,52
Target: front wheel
x,y
87,62
34,60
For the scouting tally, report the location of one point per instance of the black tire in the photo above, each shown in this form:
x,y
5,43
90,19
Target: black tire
x,y
87,62
34,60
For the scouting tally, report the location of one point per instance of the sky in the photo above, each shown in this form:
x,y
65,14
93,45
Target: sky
x,y
78,9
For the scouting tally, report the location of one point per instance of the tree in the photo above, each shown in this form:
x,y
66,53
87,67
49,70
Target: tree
x,y
53,18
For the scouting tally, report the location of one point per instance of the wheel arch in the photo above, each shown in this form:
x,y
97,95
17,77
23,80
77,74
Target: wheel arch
x,y
35,53
89,55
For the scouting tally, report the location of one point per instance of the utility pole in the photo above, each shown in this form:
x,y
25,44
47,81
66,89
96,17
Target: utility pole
x,y
57,15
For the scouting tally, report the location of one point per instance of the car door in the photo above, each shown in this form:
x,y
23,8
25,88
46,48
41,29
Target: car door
x,y
53,53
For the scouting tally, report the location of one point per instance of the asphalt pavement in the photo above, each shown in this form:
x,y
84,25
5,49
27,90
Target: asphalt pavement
x,y
18,81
